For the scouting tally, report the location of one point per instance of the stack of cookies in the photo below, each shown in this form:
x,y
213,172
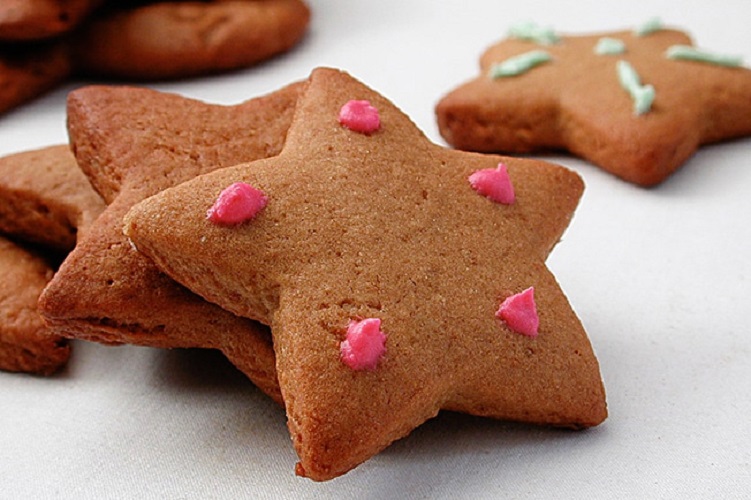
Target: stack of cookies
x,y
363,277
46,203
45,42
360,275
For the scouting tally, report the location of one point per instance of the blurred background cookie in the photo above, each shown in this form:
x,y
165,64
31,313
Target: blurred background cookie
x,y
177,39
46,42
29,70
38,19
637,105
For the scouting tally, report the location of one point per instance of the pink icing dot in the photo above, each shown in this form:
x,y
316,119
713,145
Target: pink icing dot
x,y
520,312
237,203
365,344
360,116
494,183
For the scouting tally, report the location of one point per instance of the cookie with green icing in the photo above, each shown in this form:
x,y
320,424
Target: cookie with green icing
x,y
636,103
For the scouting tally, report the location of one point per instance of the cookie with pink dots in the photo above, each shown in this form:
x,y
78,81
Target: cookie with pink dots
x,y
635,103
132,143
384,273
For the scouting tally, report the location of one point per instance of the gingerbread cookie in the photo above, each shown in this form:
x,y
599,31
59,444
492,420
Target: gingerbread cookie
x,y
133,143
29,70
25,345
46,198
638,104
399,278
38,19
177,39
137,40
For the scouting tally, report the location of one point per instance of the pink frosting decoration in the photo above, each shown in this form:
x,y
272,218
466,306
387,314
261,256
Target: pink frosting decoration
x,y
360,116
520,312
236,204
365,344
494,183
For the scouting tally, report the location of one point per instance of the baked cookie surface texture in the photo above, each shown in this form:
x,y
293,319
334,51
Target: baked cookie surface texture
x,y
25,345
45,200
133,143
382,268
635,103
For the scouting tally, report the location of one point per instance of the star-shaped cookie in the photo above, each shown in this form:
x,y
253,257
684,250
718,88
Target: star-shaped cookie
x,y
132,143
572,99
25,345
46,200
381,232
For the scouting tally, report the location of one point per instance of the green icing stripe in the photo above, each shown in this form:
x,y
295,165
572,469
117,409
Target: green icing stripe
x,y
649,27
689,53
517,65
531,32
609,47
643,95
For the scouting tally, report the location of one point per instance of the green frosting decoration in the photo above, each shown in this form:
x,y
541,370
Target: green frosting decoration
x,y
609,47
689,53
531,32
649,27
520,64
643,95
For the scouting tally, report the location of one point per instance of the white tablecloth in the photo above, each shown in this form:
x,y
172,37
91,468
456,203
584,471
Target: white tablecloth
x,y
661,279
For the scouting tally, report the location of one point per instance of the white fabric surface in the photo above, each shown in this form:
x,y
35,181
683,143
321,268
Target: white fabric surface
x,y
661,279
